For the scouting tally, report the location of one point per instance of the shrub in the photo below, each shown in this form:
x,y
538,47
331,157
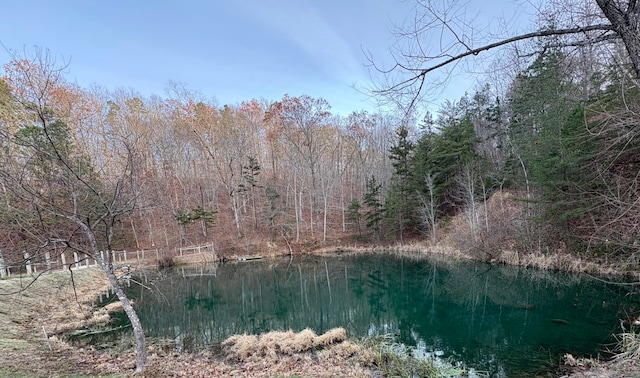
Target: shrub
x,y
166,262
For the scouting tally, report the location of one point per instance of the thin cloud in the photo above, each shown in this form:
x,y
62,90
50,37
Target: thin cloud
x,y
304,26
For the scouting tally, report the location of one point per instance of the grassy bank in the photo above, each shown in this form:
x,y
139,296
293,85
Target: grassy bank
x,y
34,314
558,261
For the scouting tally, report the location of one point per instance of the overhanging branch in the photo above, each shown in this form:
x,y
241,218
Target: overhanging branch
x,y
420,73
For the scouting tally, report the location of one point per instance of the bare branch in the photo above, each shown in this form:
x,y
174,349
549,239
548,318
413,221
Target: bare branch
x,y
602,38
543,33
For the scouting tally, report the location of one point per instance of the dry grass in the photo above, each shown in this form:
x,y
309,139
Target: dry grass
x,y
274,345
416,250
190,259
556,261
332,336
53,296
303,353
48,304
625,364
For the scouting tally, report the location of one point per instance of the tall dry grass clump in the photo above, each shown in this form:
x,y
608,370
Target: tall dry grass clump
x,y
304,354
242,346
275,344
332,336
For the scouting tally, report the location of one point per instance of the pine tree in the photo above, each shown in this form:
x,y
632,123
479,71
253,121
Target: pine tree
x,y
443,156
375,211
354,215
401,199
544,132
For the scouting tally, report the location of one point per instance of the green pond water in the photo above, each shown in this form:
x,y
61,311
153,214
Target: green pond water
x,y
504,321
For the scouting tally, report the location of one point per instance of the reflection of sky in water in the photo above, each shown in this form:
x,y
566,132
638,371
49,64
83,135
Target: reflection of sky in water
x,y
502,320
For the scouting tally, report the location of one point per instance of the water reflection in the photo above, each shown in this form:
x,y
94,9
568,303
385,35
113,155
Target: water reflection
x,y
503,320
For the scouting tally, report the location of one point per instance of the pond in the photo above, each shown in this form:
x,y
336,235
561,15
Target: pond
x,y
504,320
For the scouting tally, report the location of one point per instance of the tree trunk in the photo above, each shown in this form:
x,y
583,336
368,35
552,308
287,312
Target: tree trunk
x,y
138,332
236,215
295,206
255,211
324,217
135,234
631,37
626,24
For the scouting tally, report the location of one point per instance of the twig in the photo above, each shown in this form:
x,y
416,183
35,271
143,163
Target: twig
x,y
73,284
47,338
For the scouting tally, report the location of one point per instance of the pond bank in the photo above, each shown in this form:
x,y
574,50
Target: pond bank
x,y
558,261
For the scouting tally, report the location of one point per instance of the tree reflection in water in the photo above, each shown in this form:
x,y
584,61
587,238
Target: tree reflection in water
x,y
499,319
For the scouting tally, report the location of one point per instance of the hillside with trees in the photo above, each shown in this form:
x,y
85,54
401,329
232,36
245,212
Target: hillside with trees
x,y
182,170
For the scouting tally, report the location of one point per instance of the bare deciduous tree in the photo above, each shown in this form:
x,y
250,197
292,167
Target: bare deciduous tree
x,y
442,37
429,207
50,186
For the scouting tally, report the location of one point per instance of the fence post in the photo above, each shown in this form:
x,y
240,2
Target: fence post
x,y
47,257
27,262
113,256
124,251
63,259
76,259
178,339
3,267
86,257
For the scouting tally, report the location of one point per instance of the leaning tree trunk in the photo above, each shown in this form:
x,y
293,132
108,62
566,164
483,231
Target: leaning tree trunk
x,y
626,23
107,267
138,332
631,38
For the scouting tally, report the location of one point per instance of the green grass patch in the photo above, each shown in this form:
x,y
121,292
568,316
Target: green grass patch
x,y
13,344
6,373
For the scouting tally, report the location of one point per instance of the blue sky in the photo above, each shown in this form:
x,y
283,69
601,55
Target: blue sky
x,y
227,50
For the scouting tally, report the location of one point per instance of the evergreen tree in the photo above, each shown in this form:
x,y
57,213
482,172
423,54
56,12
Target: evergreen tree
x,y
354,215
443,156
51,160
401,200
604,207
545,126
375,211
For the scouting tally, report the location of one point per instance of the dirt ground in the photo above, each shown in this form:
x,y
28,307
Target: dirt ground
x,y
33,318
625,368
